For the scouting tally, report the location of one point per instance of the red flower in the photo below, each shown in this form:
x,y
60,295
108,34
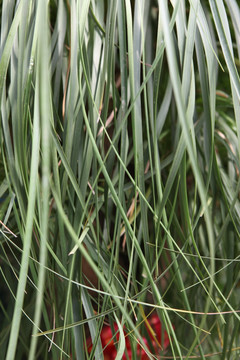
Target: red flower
x,y
155,333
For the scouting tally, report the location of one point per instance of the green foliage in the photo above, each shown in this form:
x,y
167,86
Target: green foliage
x,y
119,194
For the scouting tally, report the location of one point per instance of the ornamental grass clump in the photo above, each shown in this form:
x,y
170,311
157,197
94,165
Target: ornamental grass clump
x,y
119,185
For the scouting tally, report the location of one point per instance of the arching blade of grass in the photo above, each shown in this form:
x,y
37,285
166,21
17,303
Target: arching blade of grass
x,y
220,18
33,186
45,114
